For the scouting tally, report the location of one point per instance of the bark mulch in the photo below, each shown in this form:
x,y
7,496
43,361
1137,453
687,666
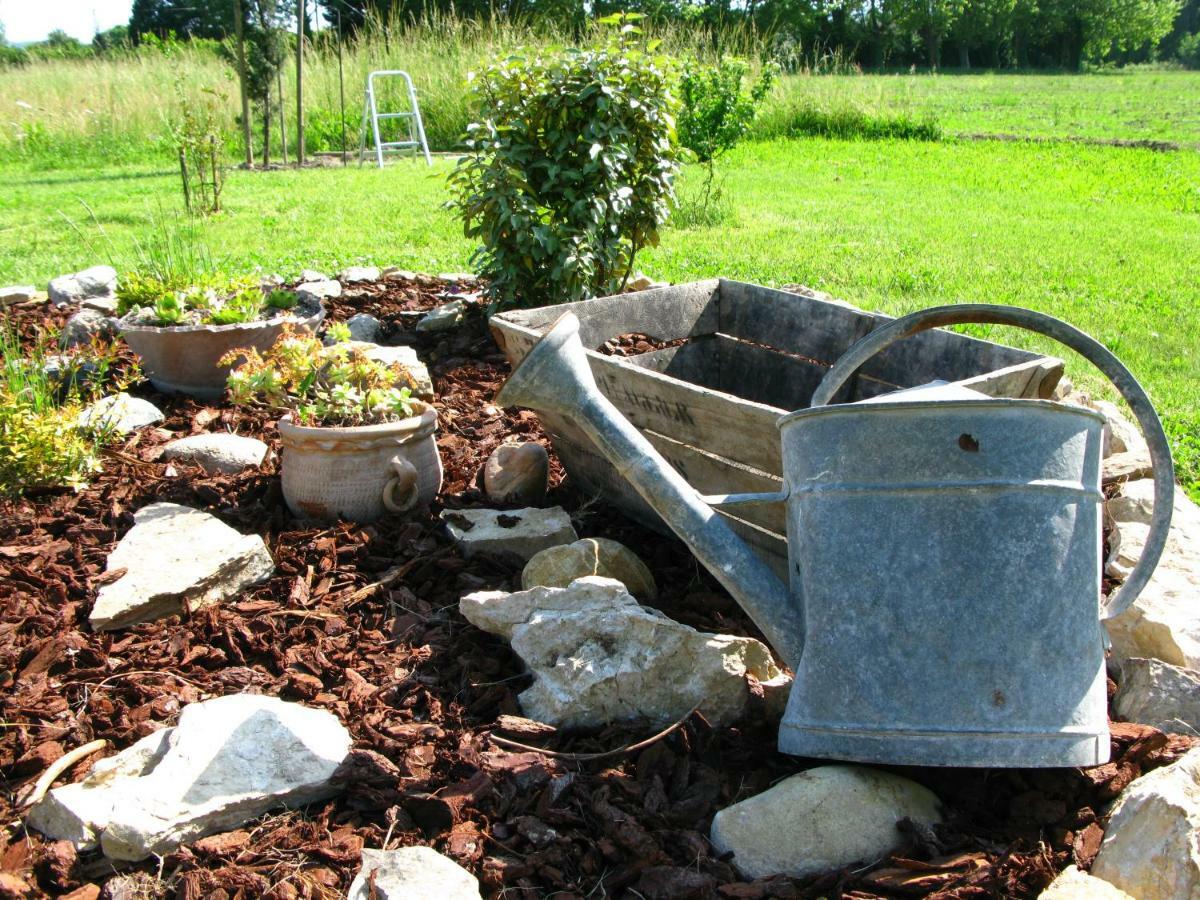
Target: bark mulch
x,y
363,621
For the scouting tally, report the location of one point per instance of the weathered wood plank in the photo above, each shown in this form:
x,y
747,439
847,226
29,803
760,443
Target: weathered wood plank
x,y
816,329
768,376
667,314
1035,379
697,362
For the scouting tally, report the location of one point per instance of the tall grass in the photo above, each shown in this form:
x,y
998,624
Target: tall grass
x,y
71,112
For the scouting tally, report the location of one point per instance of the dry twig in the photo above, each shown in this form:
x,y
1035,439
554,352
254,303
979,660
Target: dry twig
x,y
59,766
588,757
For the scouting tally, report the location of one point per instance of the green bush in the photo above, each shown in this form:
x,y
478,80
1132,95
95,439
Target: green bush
x,y
568,172
717,110
41,443
1189,51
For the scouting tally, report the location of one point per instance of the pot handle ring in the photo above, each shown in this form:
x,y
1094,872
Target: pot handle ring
x,y
404,483
1088,347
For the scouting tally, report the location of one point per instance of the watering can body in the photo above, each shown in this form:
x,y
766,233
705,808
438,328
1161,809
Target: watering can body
x,y
947,554
944,598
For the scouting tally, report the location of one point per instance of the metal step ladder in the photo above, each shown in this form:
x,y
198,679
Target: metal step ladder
x,y
416,129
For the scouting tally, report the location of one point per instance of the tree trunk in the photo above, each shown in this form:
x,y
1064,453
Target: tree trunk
x,y
932,47
964,56
266,154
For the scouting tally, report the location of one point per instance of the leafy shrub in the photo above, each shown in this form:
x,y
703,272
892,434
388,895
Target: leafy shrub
x,y
41,443
335,386
843,121
569,172
1189,51
717,110
716,113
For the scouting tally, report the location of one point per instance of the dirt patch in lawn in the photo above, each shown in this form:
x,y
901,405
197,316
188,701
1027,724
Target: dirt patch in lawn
x,y
340,627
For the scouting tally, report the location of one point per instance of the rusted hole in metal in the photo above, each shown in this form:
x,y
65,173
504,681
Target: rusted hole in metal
x,y
968,443
998,698
508,521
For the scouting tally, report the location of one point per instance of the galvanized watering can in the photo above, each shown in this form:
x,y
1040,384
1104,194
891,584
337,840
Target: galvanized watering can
x,y
944,553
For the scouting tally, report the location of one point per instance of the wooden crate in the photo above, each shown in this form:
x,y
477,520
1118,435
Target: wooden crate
x,y
751,354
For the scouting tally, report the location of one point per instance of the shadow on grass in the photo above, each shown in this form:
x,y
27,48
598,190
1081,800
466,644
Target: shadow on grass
x,y
93,178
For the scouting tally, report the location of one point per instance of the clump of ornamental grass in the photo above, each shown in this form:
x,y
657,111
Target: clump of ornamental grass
x,y
334,386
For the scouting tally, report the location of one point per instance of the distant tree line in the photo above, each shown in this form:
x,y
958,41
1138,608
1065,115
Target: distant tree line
x,y
1057,34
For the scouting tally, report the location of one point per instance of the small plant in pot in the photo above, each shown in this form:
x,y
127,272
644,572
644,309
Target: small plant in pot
x,y
355,442
182,330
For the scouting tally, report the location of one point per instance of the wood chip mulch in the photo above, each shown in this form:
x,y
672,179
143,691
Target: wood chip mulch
x,y
422,692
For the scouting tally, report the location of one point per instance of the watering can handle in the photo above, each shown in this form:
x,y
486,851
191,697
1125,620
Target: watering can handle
x,y
1086,346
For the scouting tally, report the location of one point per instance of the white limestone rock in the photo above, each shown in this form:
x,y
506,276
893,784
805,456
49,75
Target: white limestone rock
x,y
446,317
821,820
1162,623
1121,435
17,293
218,452
517,473
508,534
177,560
121,413
79,812
364,327
559,566
411,873
597,657
85,325
316,291
405,357
1074,884
1159,694
1151,848
98,281
352,274
229,760
464,278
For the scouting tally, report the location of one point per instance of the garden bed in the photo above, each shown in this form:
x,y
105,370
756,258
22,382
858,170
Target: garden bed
x,y
363,621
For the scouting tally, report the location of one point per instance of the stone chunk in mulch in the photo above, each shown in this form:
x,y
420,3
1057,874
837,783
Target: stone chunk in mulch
x,y
1127,466
218,452
315,291
822,820
559,566
17,293
446,317
1150,848
121,413
508,534
410,873
85,325
463,278
364,327
517,473
352,274
177,560
98,281
1075,884
229,760
1159,694
597,657
406,357
1162,623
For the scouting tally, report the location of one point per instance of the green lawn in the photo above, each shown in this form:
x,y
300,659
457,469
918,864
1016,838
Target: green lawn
x,y
1106,238
1128,104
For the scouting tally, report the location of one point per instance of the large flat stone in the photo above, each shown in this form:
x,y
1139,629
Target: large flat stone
x,y
177,560
229,760
508,534
120,413
98,281
1163,622
1150,847
597,657
412,873
821,820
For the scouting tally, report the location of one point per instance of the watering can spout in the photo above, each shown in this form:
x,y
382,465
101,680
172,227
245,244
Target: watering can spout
x,y
555,377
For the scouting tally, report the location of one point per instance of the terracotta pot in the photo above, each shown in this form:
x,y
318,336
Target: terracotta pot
x,y
361,472
184,360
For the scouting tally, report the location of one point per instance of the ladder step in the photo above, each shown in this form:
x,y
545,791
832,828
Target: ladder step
x,y
403,115
392,144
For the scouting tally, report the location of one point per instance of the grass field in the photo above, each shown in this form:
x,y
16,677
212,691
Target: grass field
x,y
1107,238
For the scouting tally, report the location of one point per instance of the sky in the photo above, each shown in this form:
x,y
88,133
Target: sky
x,y
32,20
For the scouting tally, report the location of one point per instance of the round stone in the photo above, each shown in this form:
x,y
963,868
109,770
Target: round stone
x,y
517,473
218,452
559,566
